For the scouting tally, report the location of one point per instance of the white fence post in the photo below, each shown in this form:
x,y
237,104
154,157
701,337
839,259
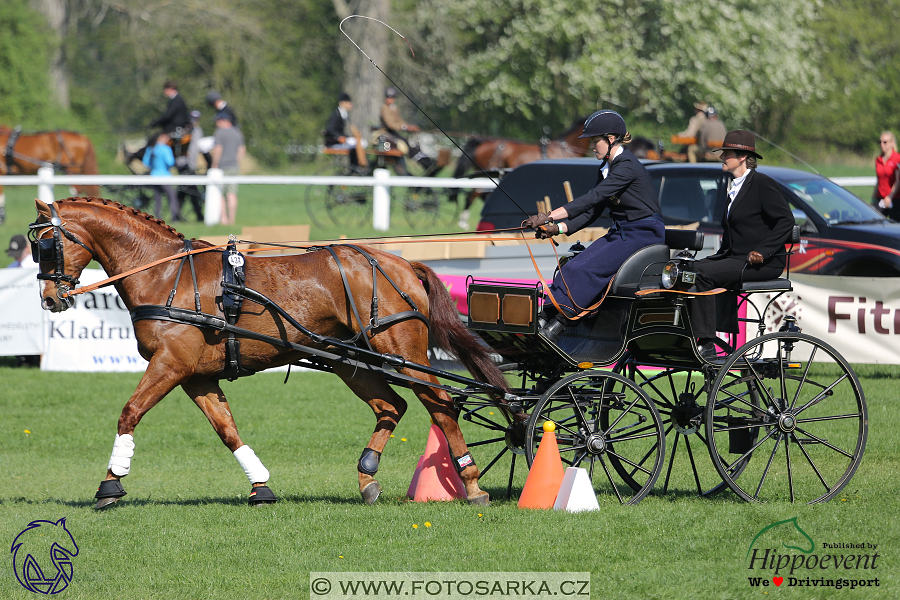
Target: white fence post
x,y
212,213
45,185
381,200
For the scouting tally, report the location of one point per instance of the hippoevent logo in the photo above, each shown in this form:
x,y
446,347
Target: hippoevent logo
x,y
42,556
784,554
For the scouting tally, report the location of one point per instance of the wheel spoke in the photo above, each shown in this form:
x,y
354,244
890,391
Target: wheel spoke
x,y
611,482
491,464
765,472
633,464
814,467
821,395
805,376
825,443
687,444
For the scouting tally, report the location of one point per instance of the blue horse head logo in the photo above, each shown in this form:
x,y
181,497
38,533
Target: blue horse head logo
x,y
31,563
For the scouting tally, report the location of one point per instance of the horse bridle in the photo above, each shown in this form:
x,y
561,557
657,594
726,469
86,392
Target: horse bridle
x,y
50,250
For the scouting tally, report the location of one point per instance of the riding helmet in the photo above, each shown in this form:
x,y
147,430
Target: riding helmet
x,y
212,98
604,122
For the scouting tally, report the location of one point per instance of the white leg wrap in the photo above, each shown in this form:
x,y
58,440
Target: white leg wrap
x,y
123,450
251,465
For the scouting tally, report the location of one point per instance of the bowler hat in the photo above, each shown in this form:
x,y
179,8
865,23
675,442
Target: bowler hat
x,y
16,244
344,97
740,140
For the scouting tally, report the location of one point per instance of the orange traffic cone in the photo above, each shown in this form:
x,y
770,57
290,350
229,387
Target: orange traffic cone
x,y
435,477
546,474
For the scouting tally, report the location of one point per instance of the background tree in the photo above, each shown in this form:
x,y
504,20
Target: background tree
x,y
24,86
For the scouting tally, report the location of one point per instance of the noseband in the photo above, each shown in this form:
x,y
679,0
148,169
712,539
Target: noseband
x,y
51,250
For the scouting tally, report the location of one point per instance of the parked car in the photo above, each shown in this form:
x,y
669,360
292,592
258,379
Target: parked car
x,y
840,234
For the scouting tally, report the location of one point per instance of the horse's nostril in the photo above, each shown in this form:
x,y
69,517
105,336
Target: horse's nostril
x,y
49,303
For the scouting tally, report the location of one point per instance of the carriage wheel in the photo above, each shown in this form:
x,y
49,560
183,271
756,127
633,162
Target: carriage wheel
x,y
419,205
680,394
579,405
342,204
498,446
809,430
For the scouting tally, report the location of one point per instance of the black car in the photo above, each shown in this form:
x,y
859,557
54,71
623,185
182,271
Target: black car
x,y
840,234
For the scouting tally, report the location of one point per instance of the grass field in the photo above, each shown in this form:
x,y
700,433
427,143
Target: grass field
x,y
184,530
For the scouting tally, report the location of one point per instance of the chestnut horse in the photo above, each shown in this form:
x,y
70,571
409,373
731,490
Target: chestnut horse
x,y
66,151
309,287
497,154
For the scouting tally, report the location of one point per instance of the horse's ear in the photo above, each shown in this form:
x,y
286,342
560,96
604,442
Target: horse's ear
x,y
42,208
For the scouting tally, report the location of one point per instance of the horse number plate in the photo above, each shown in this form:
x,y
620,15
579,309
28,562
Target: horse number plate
x,y
236,260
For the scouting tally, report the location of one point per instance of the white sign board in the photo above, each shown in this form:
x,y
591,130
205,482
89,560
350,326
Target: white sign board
x,y
22,319
857,316
94,335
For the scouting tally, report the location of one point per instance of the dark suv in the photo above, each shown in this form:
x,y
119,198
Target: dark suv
x,y
840,234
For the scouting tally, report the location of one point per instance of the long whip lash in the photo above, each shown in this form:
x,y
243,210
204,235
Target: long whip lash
x,y
416,104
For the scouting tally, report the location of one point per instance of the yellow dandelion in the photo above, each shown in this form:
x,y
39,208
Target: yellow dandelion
x,y
392,435
415,526
490,412
340,556
427,524
402,439
27,432
480,515
843,499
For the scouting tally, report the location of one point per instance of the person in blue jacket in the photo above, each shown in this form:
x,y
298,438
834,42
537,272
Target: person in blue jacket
x,y
160,159
625,189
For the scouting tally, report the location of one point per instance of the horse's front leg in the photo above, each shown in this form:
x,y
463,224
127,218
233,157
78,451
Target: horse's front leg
x,y
208,396
159,379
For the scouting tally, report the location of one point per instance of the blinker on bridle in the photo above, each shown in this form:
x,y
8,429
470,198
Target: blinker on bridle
x,y
50,250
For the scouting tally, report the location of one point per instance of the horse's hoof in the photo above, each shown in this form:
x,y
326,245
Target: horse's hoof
x,y
109,492
262,495
371,492
105,503
481,499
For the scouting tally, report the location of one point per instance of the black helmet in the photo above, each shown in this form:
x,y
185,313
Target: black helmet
x,y
604,122
212,98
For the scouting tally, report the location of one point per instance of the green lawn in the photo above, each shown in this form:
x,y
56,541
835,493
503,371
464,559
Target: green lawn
x,y
184,530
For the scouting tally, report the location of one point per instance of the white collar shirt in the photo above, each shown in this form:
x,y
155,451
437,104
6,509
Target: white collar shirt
x,y
734,187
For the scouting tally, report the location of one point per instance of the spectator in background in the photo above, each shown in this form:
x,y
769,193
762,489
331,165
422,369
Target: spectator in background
x,y
188,166
215,100
160,159
712,130
227,155
335,130
20,251
397,130
177,118
696,122
886,165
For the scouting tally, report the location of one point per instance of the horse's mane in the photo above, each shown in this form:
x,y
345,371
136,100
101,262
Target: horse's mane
x,y
127,209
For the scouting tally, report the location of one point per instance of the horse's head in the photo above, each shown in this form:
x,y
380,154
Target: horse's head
x,y
62,251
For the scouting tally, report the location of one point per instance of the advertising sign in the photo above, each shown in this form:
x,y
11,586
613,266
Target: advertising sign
x,y
21,318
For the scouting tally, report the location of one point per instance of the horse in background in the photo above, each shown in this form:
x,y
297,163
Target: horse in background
x,y
66,151
498,155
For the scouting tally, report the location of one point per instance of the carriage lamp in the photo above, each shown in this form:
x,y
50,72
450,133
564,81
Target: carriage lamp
x,y
677,276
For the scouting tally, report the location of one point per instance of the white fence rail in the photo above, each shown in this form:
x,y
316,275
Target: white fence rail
x,y
381,181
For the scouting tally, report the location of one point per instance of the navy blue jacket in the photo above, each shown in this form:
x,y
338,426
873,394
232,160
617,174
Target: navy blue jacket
x,y
627,191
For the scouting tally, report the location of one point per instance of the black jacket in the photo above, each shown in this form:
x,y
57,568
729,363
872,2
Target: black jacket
x,y
176,115
335,128
760,219
627,191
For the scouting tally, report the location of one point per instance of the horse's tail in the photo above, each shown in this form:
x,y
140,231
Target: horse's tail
x,y
465,162
451,335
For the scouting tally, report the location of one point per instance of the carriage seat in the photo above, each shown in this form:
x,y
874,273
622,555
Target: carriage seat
x,y
642,269
782,284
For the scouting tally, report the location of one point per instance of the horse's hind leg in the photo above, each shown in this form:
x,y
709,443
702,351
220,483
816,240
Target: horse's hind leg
x,y
444,415
388,407
208,396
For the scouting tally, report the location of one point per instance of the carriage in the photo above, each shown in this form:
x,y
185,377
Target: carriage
x,y
781,417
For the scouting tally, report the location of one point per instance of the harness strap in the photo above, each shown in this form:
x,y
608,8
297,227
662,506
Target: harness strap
x,y
349,294
187,248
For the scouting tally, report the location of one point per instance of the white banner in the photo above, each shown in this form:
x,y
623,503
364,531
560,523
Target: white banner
x,y
22,320
94,335
857,316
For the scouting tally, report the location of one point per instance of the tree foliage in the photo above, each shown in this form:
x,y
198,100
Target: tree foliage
x,y
24,85
548,59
